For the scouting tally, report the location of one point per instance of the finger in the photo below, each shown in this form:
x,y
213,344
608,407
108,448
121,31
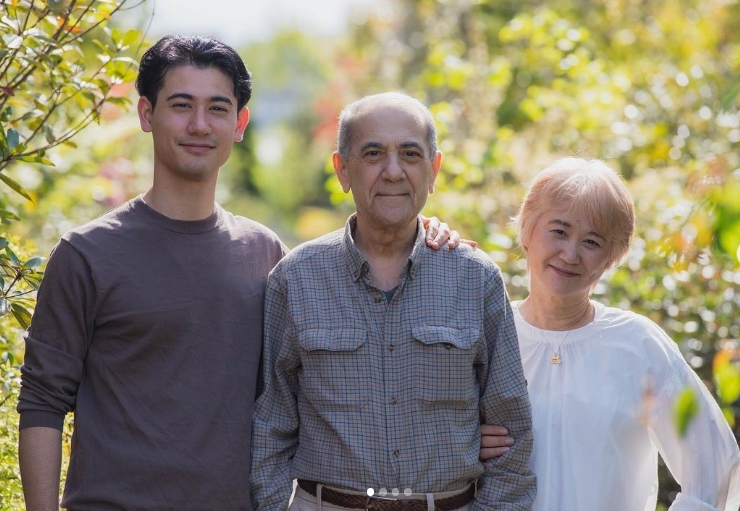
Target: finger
x,y
472,243
493,452
454,240
443,233
432,233
491,429
496,441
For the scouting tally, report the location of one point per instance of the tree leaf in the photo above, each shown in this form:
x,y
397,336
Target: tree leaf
x,y
727,379
8,215
14,185
33,262
13,258
684,410
35,159
21,315
12,139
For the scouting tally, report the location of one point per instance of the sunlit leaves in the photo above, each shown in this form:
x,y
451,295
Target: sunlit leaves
x,y
684,410
50,86
726,201
727,377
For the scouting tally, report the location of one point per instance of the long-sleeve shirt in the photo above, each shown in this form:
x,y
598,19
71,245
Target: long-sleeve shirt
x,y
604,413
150,330
361,392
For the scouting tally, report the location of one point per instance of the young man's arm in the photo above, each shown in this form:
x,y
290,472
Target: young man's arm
x,y
40,460
53,366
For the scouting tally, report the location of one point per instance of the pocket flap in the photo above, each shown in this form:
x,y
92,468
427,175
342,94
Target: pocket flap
x,y
331,339
460,338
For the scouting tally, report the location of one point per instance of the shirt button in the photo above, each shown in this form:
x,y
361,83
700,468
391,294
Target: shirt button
x,y
448,347
394,401
391,348
396,453
377,299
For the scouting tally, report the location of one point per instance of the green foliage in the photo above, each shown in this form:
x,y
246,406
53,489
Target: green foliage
x,y
11,493
59,66
727,217
276,175
19,278
684,410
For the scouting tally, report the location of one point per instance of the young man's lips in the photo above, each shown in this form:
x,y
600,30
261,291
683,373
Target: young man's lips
x,y
197,148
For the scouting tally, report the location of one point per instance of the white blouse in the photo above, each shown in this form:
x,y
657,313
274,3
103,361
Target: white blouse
x,y
603,413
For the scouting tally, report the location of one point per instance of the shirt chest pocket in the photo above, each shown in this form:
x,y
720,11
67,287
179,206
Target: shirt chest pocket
x,y
444,366
334,366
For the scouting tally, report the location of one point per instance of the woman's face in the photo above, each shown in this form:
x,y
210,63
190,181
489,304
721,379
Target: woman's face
x,y
565,255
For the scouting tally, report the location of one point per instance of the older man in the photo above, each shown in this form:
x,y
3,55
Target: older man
x,y
366,346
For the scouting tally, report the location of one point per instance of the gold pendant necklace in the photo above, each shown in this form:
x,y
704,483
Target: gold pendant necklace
x,y
556,359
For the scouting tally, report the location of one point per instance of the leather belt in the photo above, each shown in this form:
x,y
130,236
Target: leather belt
x,y
348,500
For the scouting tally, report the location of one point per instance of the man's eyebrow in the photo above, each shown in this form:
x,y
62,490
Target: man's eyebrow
x,y
373,145
403,145
415,145
190,97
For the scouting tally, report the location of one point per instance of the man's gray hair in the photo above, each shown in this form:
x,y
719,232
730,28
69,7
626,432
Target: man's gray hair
x,y
353,110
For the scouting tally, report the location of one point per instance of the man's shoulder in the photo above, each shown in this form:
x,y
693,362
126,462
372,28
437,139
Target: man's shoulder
x,y
465,255
251,228
324,246
110,222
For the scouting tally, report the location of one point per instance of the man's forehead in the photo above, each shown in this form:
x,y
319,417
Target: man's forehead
x,y
387,124
184,79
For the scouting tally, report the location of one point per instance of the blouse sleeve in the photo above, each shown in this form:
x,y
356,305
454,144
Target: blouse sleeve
x,y
704,461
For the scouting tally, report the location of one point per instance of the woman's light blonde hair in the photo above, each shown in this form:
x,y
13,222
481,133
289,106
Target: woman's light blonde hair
x,y
590,189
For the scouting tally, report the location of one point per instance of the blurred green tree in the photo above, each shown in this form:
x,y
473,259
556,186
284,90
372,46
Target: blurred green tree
x,y
60,66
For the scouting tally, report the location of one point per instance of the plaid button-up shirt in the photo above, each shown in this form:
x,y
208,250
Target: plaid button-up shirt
x,y
361,392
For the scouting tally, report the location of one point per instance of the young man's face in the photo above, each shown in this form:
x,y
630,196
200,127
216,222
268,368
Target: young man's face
x,y
194,124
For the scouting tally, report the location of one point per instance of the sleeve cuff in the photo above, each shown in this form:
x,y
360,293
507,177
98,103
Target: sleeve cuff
x,y
35,418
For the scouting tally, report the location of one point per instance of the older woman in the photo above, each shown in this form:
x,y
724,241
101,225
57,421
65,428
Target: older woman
x,y
603,381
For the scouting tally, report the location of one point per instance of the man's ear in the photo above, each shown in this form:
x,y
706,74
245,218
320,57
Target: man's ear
x,y
145,109
340,169
242,120
436,165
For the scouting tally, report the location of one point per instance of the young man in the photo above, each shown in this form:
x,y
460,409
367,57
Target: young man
x,y
371,338
149,319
